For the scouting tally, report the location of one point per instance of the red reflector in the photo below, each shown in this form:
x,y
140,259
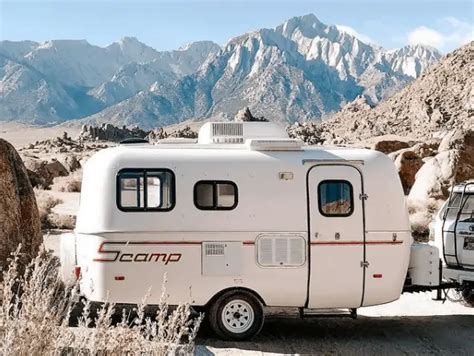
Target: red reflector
x,y
377,275
77,271
119,278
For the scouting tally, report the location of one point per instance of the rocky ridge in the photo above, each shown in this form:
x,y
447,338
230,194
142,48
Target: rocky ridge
x,y
441,100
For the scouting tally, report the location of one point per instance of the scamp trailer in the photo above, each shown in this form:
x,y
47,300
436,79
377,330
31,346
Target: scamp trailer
x,y
453,232
242,218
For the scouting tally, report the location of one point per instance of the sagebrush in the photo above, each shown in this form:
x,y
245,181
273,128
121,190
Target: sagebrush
x,y
37,310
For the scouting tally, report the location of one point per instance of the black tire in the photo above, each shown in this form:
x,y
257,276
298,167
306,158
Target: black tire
x,y
236,315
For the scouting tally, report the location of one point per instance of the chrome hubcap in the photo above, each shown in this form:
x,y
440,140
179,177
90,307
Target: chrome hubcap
x,y
237,316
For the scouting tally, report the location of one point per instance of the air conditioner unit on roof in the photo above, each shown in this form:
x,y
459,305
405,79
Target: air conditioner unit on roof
x,y
238,132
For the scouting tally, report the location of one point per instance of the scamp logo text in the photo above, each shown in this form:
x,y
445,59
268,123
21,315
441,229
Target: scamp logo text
x,y
112,252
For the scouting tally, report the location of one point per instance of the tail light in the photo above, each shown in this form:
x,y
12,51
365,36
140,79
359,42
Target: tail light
x,y
77,271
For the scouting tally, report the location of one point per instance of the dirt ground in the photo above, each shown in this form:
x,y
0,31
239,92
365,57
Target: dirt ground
x,y
433,334
20,135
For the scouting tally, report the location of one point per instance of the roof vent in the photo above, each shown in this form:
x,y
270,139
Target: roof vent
x,y
238,132
278,144
176,140
133,140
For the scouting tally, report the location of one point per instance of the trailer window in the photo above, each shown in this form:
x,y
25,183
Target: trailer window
x,y
145,190
132,191
335,198
215,195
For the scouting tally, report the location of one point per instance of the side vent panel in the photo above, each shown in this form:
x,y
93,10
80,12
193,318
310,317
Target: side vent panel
x,y
222,258
281,250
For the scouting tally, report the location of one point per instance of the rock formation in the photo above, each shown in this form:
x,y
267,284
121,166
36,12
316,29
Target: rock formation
x,y
108,132
453,164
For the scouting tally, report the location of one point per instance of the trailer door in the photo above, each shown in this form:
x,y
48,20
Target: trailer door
x,y
337,239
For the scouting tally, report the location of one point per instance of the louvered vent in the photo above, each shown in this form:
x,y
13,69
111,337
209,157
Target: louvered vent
x,y
214,249
227,129
227,132
275,250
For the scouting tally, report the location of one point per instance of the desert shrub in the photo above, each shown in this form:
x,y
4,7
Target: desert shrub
x,y
46,203
49,219
422,213
36,309
60,221
70,183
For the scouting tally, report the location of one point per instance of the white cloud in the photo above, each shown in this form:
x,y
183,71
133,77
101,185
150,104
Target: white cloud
x,y
453,33
351,31
426,36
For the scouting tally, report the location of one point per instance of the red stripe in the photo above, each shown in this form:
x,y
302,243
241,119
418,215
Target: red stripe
x,y
248,242
162,242
384,242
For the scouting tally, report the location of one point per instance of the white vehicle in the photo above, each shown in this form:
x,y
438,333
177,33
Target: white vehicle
x,y
454,235
244,218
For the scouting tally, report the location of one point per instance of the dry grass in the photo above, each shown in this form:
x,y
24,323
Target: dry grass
x,y
36,309
49,219
421,215
70,183
46,203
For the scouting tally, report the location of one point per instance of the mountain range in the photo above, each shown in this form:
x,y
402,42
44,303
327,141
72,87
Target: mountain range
x,y
300,70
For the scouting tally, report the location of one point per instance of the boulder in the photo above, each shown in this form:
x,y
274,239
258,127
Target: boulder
x,y
43,172
453,164
19,217
70,162
408,163
389,146
409,160
463,142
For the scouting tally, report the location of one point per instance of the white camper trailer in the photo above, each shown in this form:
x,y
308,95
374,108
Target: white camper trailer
x,y
245,217
453,232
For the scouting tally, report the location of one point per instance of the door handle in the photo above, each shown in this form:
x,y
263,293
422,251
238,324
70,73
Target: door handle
x,y
337,236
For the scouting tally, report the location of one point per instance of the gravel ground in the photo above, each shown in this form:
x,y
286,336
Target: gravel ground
x,y
434,334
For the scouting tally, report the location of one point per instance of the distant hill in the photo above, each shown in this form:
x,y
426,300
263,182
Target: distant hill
x,y
301,70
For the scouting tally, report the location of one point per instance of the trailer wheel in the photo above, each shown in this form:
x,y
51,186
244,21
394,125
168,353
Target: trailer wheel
x,y
236,315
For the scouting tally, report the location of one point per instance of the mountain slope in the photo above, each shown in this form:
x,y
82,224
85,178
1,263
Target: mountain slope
x,y
167,67
441,99
69,79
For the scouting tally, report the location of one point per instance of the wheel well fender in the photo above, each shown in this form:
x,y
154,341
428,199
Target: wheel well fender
x,y
217,295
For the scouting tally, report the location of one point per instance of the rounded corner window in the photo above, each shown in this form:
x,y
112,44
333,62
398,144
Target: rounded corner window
x,y
145,190
215,195
335,198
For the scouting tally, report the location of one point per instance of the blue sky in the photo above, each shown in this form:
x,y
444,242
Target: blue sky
x,y
169,24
